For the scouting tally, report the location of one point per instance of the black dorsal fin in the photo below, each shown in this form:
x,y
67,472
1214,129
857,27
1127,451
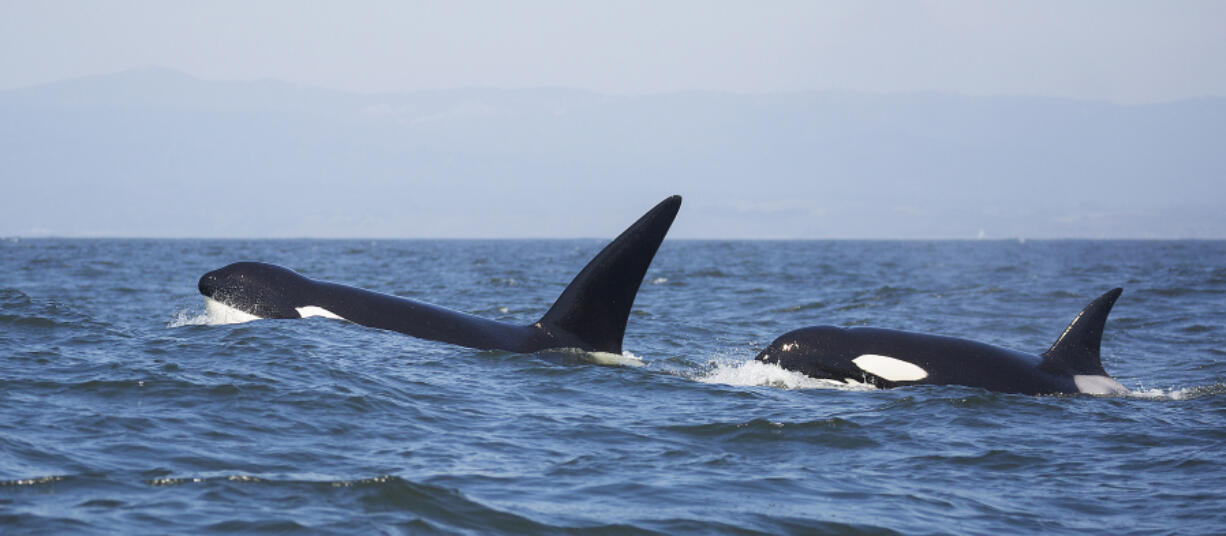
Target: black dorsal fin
x,y
596,304
1077,349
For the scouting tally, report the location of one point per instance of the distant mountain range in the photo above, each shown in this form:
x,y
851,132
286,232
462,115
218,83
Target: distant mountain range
x,y
160,153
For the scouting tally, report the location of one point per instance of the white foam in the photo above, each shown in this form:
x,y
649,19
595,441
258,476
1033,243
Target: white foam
x,y
1186,393
215,314
890,368
757,373
188,318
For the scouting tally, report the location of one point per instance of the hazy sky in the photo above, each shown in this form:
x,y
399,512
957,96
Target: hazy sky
x,y
1124,51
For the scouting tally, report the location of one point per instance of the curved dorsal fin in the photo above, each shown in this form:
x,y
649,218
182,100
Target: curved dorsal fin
x,y
1076,351
596,304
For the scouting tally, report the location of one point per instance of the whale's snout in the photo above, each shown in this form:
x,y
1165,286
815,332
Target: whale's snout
x,y
263,290
208,284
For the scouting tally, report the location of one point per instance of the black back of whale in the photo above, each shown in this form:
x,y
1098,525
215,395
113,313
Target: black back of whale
x,y
828,352
590,314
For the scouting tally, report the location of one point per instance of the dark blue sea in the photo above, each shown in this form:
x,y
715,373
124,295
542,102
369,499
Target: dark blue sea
x,y
125,408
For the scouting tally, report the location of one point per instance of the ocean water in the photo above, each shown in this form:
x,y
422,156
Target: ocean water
x,y
125,407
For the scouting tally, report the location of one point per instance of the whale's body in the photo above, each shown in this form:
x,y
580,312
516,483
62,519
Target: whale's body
x,y
891,358
590,314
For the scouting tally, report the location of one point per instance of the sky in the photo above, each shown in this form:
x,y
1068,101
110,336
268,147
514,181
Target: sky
x,y
787,119
1123,51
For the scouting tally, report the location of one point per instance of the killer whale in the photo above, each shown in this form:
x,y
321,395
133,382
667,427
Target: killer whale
x,y
890,358
589,315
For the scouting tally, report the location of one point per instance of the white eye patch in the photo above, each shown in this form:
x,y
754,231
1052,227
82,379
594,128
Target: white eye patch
x,y
889,368
311,310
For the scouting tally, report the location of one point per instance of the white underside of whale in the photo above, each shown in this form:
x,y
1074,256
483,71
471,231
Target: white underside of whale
x,y
220,313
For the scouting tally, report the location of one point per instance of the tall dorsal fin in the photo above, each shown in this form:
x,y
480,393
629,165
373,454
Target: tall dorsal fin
x,y
1076,351
596,304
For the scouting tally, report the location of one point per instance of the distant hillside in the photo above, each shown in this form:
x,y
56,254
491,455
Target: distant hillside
x,y
159,153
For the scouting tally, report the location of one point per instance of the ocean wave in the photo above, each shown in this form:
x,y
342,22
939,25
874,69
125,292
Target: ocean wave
x,y
1177,393
20,310
808,306
32,481
115,423
832,432
273,480
424,505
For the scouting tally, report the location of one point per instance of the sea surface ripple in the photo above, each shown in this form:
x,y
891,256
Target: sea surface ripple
x,y
125,407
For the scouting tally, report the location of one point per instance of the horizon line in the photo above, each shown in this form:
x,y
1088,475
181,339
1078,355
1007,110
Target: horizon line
x,y
17,238
645,93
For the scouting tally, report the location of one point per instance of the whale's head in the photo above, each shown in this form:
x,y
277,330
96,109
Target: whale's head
x,y
256,288
812,351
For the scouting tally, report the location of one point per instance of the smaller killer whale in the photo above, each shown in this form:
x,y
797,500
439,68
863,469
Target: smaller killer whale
x,y
590,314
890,358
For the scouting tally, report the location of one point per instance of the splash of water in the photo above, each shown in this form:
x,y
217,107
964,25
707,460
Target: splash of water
x,y
1174,393
215,314
757,373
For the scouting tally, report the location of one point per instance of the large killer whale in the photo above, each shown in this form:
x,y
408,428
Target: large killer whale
x,y
590,314
890,358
